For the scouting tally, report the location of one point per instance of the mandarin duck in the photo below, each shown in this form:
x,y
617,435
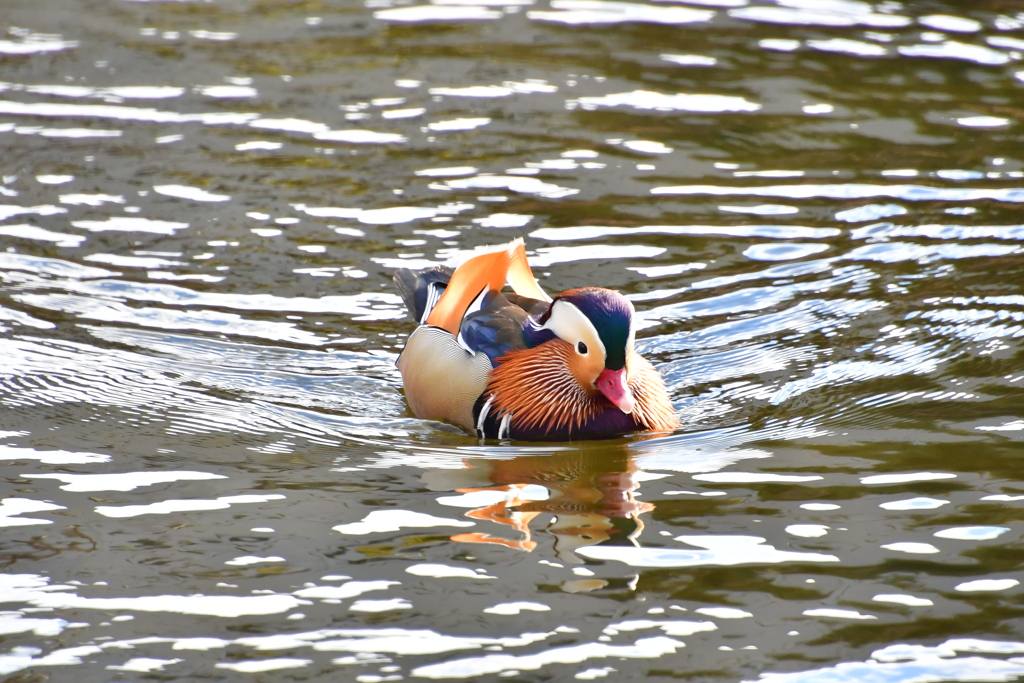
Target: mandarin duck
x,y
520,365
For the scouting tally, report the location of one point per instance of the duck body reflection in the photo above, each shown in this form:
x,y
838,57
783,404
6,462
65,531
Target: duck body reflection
x,y
591,497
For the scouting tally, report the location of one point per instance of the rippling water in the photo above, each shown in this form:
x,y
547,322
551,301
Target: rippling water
x,y
209,469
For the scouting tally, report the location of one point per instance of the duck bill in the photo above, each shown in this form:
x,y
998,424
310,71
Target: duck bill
x,y
612,383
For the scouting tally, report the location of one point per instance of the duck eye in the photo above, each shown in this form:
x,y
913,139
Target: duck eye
x,y
582,348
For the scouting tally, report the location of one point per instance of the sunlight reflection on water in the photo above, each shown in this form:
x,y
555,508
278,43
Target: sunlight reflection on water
x,y
211,469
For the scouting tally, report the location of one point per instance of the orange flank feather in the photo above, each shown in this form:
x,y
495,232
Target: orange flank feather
x,y
489,271
652,408
537,386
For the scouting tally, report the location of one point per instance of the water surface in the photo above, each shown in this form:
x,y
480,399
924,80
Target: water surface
x,y
209,471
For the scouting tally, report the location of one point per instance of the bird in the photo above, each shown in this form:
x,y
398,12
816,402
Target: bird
x,y
519,365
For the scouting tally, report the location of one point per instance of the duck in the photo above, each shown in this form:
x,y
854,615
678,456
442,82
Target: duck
x,y
521,365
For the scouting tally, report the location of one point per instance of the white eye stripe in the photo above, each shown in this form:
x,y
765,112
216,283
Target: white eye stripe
x,y
568,322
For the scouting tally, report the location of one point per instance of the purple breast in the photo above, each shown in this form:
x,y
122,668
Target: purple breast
x,y
607,424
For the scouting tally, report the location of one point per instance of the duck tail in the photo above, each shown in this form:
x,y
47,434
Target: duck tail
x,y
422,289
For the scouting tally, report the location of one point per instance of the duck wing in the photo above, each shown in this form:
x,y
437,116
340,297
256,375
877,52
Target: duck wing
x,y
535,308
495,328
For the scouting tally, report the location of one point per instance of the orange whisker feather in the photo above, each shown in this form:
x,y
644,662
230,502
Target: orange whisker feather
x,y
537,387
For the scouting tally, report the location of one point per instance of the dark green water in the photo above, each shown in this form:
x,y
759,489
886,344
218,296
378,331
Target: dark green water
x,y
208,469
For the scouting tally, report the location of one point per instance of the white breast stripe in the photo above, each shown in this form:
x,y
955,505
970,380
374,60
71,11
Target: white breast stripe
x,y
503,430
463,344
483,416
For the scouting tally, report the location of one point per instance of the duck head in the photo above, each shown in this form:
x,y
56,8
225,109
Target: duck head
x,y
598,324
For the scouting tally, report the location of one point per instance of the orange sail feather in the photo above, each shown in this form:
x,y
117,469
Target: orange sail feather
x,y
490,271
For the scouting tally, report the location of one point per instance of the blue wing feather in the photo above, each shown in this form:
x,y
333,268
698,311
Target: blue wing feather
x,y
495,329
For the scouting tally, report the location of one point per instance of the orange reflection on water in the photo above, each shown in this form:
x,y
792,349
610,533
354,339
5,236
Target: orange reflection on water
x,y
591,498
